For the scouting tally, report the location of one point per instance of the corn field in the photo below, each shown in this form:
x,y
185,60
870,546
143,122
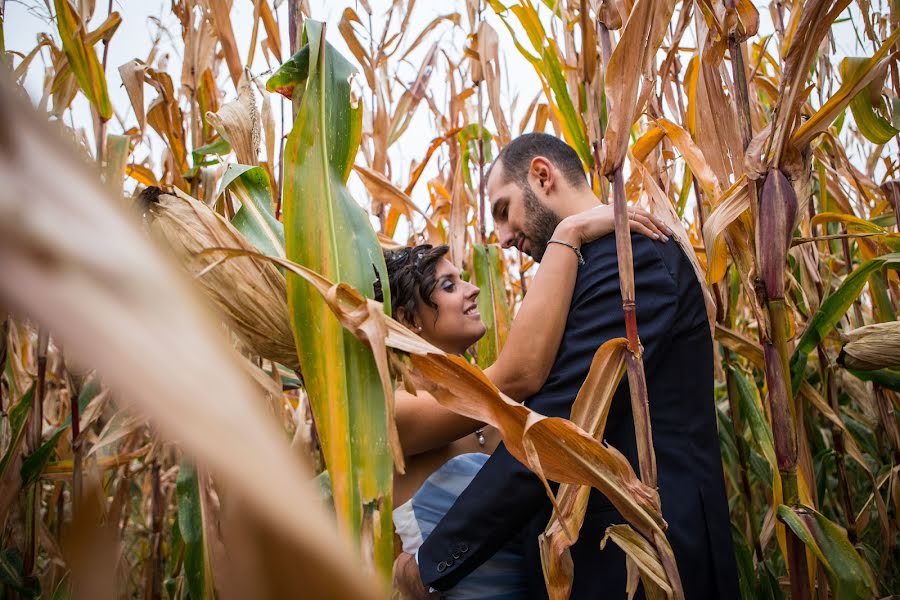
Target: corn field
x,y
196,385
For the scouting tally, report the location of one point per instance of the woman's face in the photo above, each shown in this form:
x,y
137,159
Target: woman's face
x,y
456,324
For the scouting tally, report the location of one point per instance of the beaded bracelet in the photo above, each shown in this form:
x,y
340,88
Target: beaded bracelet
x,y
574,249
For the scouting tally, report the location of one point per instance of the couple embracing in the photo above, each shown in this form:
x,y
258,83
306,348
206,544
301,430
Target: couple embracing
x,y
469,514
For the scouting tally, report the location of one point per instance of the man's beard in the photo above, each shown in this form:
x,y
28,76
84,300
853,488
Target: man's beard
x,y
540,223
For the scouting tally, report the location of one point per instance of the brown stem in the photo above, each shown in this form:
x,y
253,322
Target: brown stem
x,y
885,410
295,25
295,32
481,225
637,382
100,121
784,433
156,559
848,259
4,336
76,448
33,442
742,93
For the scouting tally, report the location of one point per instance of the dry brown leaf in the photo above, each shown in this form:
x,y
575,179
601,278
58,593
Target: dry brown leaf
x,y
345,26
132,74
489,60
239,123
268,19
639,550
641,36
735,201
386,193
221,18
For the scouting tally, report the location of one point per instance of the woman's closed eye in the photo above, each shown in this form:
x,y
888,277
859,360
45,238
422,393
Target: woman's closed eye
x,y
448,286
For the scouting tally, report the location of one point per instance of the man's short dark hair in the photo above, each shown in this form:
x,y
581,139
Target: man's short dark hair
x,y
518,154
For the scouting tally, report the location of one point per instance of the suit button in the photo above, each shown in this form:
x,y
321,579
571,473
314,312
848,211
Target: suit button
x,y
463,548
449,562
456,554
442,566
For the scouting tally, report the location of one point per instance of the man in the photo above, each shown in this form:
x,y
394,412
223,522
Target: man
x,y
536,181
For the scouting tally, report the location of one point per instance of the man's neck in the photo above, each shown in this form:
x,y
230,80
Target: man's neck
x,y
577,201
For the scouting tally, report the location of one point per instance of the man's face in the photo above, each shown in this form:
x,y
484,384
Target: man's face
x,y
521,219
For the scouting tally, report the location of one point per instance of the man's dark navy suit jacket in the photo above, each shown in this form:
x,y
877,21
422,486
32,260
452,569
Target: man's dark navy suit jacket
x,y
506,501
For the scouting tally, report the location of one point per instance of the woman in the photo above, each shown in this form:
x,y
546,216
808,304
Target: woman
x,y
444,450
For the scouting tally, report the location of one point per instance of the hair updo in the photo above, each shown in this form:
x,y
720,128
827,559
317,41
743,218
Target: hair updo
x,y
411,277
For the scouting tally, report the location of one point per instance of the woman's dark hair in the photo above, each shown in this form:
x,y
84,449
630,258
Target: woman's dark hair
x,y
411,276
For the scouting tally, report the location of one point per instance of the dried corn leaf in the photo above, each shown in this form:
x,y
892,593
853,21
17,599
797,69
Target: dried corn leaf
x,y
735,201
641,37
132,74
239,123
221,18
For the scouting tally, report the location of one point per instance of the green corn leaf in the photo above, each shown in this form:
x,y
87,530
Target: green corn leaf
x,y
219,146
491,302
190,526
291,75
37,460
751,410
744,555
468,141
871,124
833,309
82,58
12,576
255,219
18,417
848,574
62,591
327,231
886,378
549,68
573,125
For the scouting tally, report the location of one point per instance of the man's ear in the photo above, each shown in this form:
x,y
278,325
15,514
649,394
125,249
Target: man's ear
x,y
541,173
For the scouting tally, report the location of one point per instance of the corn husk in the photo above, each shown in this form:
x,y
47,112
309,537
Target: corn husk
x,y
777,212
872,347
250,294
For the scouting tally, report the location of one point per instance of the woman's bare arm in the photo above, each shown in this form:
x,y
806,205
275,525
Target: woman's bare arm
x,y
423,424
534,336
525,361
